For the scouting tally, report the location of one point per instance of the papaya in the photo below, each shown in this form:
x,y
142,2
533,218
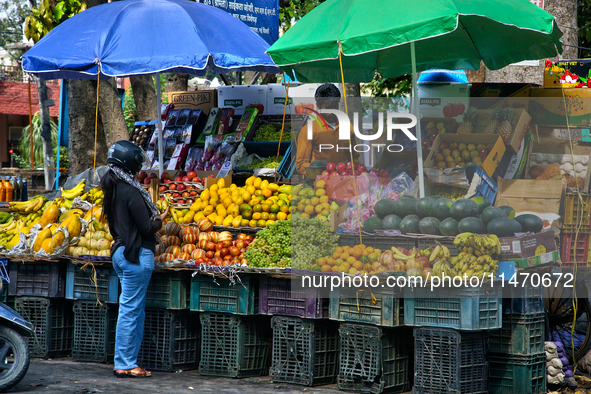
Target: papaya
x,y
73,225
50,215
42,236
46,246
57,240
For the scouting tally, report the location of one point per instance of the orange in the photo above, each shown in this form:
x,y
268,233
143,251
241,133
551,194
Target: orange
x,y
305,215
256,216
326,268
267,193
252,223
244,222
273,216
356,252
265,216
358,265
261,223
247,215
321,261
345,255
281,216
320,192
314,200
318,209
352,271
324,199
266,208
330,261
258,192
257,208
336,255
275,208
309,210
339,249
335,268
284,209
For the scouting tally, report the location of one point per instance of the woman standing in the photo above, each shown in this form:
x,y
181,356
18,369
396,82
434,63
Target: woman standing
x,y
133,220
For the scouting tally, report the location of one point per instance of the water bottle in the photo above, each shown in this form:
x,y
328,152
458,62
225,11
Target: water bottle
x,y
20,189
17,189
24,191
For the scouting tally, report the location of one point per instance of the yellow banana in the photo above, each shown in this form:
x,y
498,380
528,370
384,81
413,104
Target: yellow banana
x,y
435,253
75,192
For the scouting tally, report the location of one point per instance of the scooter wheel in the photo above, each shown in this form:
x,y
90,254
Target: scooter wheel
x,y
14,358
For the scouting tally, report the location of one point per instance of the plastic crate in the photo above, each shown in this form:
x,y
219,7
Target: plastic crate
x,y
267,149
424,243
520,334
464,308
517,374
4,271
378,241
168,290
6,299
375,360
234,346
288,164
358,306
487,188
305,351
89,284
94,332
447,361
277,297
171,340
576,213
569,251
209,294
40,279
522,298
53,325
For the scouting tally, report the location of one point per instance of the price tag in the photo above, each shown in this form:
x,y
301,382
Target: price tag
x,y
226,168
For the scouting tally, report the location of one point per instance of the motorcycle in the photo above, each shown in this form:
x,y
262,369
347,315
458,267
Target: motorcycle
x,y
14,351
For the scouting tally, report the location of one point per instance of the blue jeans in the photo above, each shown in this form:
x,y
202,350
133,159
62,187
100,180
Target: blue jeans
x,y
134,280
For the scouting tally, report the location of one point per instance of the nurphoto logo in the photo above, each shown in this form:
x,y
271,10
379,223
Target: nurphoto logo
x,y
345,127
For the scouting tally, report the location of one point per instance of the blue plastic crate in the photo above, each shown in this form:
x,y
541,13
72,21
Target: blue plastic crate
x,y
488,187
4,271
509,374
288,164
209,294
522,298
359,307
464,308
81,286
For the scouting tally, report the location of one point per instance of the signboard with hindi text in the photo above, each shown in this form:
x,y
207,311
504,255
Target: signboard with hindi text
x,y
262,16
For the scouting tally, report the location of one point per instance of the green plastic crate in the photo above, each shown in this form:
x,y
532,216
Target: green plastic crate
x,y
517,374
358,306
520,334
239,296
168,290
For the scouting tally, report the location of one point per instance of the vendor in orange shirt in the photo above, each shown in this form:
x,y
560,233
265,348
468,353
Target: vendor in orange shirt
x,y
324,132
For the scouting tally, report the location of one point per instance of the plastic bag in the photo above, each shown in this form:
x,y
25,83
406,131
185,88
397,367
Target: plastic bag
x,y
210,148
193,158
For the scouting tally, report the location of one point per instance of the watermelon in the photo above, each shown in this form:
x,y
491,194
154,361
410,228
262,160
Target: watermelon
x,y
530,223
384,208
442,207
491,213
504,227
410,224
471,225
482,202
449,227
463,208
372,224
430,226
406,206
509,211
425,207
391,222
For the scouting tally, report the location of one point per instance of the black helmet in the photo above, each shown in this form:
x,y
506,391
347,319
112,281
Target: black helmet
x,y
127,155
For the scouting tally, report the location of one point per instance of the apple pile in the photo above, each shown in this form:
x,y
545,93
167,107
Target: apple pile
x,y
433,130
350,168
453,154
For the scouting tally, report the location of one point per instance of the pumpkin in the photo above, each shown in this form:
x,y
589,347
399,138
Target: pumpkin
x,y
197,253
205,224
225,236
173,250
184,256
172,240
172,228
188,248
214,237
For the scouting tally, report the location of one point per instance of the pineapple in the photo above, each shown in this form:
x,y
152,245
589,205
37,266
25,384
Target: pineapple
x,y
467,125
491,127
505,128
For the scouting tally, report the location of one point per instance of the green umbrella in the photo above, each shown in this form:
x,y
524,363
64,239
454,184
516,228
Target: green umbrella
x,y
348,40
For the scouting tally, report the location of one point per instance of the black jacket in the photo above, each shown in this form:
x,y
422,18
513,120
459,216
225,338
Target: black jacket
x,y
130,223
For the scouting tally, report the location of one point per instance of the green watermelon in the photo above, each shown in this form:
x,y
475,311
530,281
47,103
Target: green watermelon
x,y
406,206
491,213
384,208
482,202
391,222
430,226
504,227
449,227
442,207
530,222
410,224
463,208
372,224
471,225
509,211
425,207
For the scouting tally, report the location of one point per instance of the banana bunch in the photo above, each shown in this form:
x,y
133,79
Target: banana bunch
x,y
442,267
177,216
162,205
32,217
439,252
479,245
398,255
8,231
468,265
5,217
77,191
94,195
26,207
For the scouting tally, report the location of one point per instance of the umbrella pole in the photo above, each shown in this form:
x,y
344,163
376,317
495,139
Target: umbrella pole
x,y
159,127
415,105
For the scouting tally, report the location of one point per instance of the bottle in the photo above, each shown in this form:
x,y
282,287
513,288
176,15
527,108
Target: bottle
x,y
2,191
17,190
24,191
20,189
9,190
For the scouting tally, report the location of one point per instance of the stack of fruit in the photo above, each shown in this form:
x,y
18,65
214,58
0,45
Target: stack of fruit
x,y
453,154
310,202
50,239
348,169
272,246
182,176
201,244
437,215
257,204
311,239
272,132
96,241
433,130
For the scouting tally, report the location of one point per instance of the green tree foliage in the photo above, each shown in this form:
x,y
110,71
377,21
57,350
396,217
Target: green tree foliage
x,y
12,17
47,16
24,146
584,24
291,11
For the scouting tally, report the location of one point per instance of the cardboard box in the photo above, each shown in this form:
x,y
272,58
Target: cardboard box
x,y
545,258
200,99
554,70
528,245
438,100
488,165
530,195
337,217
547,107
298,96
521,122
500,95
239,96
517,163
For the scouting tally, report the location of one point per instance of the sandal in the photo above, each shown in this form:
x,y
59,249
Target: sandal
x,y
136,372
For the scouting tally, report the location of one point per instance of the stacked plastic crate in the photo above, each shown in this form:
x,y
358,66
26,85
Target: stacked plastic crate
x,y
575,231
517,362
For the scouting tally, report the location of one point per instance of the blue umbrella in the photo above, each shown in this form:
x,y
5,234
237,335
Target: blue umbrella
x,y
141,37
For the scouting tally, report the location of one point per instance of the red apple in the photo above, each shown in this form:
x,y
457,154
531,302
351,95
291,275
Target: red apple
x,y
178,179
186,179
182,173
349,165
147,181
162,198
190,201
167,180
193,193
341,167
172,186
330,167
210,176
162,188
186,194
175,195
180,187
191,174
165,175
143,174
196,179
334,173
152,175
180,201
325,172
373,171
384,174
343,173
361,168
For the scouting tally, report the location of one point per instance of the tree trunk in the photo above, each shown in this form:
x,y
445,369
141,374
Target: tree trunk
x,y
144,96
48,166
81,118
177,83
269,78
111,112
